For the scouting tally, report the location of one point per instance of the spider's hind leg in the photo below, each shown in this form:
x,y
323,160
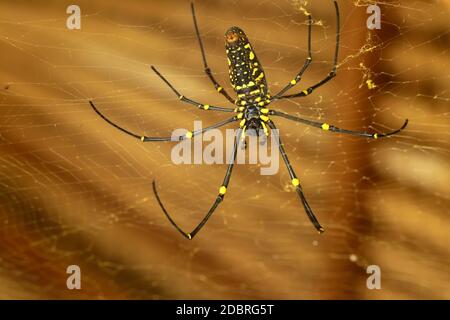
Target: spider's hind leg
x,y
206,68
330,76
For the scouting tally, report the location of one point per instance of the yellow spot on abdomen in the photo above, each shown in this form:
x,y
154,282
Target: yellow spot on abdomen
x,y
261,75
252,55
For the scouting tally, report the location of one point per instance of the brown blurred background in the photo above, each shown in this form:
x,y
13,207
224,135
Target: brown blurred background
x,y
74,190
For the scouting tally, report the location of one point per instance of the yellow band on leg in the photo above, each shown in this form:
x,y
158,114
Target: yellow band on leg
x,y
222,190
266,131
264,118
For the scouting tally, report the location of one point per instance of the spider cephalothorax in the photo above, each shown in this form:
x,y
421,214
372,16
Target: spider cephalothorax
x,y
249,82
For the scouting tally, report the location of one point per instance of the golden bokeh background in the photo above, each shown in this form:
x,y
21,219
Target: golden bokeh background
x,y
76,191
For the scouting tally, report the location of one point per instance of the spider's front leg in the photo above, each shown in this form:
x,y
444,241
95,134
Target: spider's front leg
x,y
219,199
330,76
294,180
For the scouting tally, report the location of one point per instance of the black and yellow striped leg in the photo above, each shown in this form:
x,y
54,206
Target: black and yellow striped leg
x,y
330,76
308,61
187,135
327,127
207,70
219,199
187,100
294,180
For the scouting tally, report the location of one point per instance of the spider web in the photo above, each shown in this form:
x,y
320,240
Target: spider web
x,y
74,190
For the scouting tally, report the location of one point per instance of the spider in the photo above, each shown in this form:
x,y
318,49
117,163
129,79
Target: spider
x,y
251,110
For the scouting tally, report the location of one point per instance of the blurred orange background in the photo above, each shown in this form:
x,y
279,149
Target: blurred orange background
x,y
76,191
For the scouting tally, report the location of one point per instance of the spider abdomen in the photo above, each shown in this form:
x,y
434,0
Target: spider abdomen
x,y
247,76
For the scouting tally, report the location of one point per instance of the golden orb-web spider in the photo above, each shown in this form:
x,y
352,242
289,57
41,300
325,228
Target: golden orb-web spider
x,y
248,80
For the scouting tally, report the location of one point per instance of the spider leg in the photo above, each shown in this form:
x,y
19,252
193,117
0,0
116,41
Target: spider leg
x,y
294,180
187,100
219,199
308,61
330,76
327,127
206,68
187,135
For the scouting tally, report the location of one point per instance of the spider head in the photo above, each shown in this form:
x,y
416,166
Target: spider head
x,y
235,37
253,123
254,128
